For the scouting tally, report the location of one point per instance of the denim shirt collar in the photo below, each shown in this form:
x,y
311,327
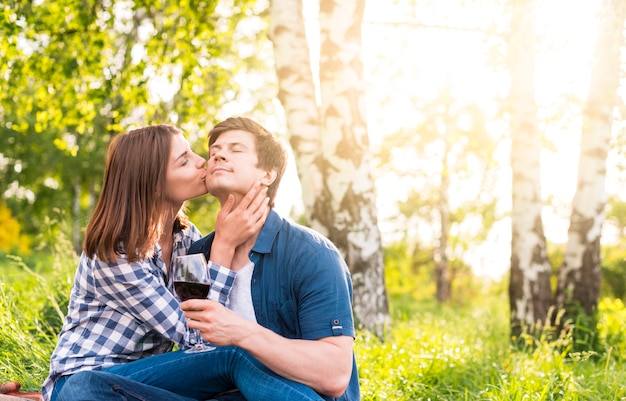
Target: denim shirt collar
x,y
268,233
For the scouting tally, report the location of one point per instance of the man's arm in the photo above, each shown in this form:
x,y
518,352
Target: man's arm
x,y
325,364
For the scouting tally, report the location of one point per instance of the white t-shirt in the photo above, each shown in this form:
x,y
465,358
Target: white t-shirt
x,y
240,299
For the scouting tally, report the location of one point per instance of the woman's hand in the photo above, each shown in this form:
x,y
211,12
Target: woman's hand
x,y
238,223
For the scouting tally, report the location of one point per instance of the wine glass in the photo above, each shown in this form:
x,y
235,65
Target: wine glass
x,y
191,281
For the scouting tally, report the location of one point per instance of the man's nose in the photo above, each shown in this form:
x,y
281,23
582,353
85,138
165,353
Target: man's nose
x,y
219,155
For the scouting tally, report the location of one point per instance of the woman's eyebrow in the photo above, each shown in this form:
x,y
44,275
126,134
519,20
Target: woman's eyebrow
x,y
181,155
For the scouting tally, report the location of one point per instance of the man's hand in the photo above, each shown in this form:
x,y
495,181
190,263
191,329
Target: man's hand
x,y
304,361
217,324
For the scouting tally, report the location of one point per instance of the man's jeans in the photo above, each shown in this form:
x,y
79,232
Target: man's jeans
x,y
176,376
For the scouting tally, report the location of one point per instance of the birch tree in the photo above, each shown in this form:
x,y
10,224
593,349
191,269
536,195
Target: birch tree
x,y
579,275
330,141
530,295
447,167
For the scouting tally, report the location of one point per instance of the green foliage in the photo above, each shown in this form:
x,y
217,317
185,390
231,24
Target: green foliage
x,y
614,272
11,240
408,276
24,343
456,351
461,350
203,212
616,208
463,353
614,256
448,171
34,292
612,315
438,353
432,355
32,307
77,73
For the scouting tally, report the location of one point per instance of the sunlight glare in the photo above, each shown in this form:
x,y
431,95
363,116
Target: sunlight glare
x,y
410,56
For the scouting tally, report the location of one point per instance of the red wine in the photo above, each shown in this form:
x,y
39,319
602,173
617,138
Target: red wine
x,y
191,290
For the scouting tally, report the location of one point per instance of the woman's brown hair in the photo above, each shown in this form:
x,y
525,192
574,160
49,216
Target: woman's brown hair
x,y
130,209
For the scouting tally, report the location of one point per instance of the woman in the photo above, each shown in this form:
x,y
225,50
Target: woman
x,y
122,307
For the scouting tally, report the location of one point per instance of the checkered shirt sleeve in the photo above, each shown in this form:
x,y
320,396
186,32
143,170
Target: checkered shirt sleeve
x,y
124,311
222,280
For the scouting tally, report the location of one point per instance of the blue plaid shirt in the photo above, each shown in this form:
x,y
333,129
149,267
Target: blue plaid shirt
x,y
125,311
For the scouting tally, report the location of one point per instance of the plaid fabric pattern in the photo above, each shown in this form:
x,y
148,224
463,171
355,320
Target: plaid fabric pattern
x,y
125,311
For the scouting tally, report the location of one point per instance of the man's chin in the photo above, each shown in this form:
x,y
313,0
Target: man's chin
x,y
219,192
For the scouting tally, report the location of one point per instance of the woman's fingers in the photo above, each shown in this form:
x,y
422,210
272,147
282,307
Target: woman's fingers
x,y
251,195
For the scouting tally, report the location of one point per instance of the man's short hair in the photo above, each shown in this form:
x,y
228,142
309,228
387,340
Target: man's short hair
x,y
270,151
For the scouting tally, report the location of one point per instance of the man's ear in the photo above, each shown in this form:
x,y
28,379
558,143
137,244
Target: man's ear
x,y
269,177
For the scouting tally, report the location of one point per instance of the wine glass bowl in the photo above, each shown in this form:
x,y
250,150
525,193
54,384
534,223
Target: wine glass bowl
x,y
191,290
190,275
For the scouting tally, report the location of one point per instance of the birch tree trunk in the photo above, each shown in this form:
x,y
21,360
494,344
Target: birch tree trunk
x,y
347,208
579,275
296,92
442,268
530,295
331,143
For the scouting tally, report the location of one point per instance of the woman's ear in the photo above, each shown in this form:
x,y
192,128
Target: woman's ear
x,y
269,177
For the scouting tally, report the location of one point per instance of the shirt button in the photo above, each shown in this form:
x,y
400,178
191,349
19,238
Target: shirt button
x,y
336,327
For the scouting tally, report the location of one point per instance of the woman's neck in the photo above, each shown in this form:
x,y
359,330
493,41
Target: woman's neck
x,y
166,241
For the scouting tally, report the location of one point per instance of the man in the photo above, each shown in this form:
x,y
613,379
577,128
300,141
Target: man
x,y
290,306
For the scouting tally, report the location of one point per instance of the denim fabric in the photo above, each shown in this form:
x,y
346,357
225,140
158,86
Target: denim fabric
x,y
95,385
230,396
178,376
301,287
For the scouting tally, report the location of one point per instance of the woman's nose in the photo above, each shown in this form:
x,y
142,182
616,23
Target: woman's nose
x,y
201,162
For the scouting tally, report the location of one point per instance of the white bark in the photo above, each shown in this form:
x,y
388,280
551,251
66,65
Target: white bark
x,y
331,146
529,289
579,275
297,94
348,210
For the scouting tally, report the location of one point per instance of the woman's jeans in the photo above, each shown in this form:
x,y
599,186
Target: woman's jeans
x,y
176,376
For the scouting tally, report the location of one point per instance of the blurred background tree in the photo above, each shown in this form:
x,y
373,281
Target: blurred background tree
x,y
442,97
78,72
449,171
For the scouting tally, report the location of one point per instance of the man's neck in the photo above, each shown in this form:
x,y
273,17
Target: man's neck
x,y
242,253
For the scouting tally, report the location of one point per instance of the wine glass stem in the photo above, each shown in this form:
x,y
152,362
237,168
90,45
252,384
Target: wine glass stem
x,y
198,338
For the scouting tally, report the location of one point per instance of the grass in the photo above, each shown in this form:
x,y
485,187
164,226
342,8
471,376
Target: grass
x,y
464,353
432,352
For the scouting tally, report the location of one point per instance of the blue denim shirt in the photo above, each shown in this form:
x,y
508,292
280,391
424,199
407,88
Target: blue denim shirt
x,y
301,286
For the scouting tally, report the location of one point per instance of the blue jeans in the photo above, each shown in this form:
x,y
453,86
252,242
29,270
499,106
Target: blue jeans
x,y
176,376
